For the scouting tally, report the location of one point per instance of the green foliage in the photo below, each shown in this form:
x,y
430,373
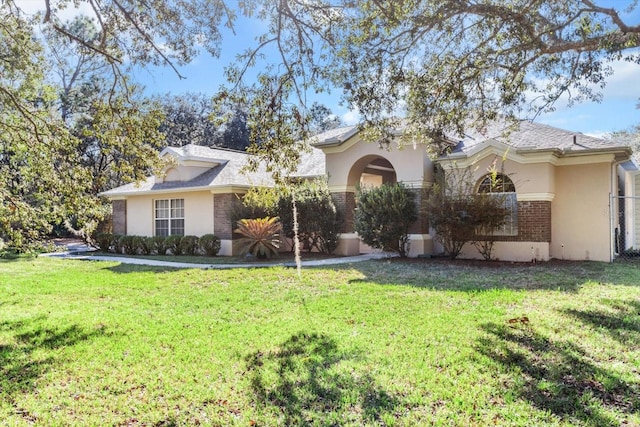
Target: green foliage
x,y
189,245
104,241
459,215
66,137
383,216
130,244
209,244
173,243
145,245
319,221
160,245
261,199
261,237
118,243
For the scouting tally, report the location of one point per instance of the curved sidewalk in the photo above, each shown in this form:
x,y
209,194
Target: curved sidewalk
x,y
71,254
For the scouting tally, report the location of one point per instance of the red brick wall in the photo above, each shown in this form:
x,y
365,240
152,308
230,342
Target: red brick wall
x,y
421,226
222,205
534,223
346,203
119,216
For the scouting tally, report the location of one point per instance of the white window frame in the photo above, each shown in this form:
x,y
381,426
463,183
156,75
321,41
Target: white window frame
x,y
171,213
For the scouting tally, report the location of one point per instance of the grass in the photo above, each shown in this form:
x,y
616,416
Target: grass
x,y
375,343
198,259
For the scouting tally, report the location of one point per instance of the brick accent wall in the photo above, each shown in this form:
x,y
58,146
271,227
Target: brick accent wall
x,y
119,216
346,203
534,223
421,226
222,205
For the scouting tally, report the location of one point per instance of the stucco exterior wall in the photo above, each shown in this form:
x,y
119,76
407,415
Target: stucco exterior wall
x,y
198,213
140,215
529,178
580,212
412,166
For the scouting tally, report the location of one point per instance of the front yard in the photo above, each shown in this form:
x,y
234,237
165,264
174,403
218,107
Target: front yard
x,y
377,343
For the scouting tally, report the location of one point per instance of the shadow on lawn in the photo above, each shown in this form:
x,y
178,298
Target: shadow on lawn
x,y
621,319
139,268
22,362
301,382
559,376
475,275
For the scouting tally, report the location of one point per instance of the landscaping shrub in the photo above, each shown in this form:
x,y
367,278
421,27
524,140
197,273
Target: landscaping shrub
x,y
104,241
189,245
159,245
173,243
383,216
117,243
261,236
209,244
319,221
130,244
145,245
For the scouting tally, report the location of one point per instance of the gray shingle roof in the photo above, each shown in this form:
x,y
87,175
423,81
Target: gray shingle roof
x,y
532,136
227,173
334,136
523,135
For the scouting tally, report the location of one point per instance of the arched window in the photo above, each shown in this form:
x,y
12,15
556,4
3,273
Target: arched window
x,y
502,186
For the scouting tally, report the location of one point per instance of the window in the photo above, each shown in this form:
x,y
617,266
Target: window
x,y
169,217
502,186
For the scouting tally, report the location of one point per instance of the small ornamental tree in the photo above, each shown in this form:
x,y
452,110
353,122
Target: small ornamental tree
x,y
459,215
383,216
319,220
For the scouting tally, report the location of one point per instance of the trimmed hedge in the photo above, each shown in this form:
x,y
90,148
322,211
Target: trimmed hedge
x,y
189,245
208,245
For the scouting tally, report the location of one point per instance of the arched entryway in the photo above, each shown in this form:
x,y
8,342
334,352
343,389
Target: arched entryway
x,y
352,162
372,170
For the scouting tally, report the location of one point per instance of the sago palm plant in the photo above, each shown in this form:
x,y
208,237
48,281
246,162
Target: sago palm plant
x,y
261,236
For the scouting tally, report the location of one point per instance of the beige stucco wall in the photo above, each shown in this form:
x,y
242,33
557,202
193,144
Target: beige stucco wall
x,y
184,173
198,212
579,194
140,215
412,166
580,212
529,178
511,251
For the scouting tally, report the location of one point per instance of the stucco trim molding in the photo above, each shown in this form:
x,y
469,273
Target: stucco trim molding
x,y
230,189
535,197
342,189
348,236
417,184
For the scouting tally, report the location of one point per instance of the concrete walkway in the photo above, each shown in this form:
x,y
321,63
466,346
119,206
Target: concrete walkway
x,y
72,250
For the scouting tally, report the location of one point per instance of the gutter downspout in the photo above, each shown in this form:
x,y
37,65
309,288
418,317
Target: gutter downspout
x,y
613,203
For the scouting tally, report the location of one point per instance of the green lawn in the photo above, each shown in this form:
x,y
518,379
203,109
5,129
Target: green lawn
x,y
375,343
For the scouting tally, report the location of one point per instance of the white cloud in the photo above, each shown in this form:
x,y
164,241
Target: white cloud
x,y
351,117
599,134
624,82
32,7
